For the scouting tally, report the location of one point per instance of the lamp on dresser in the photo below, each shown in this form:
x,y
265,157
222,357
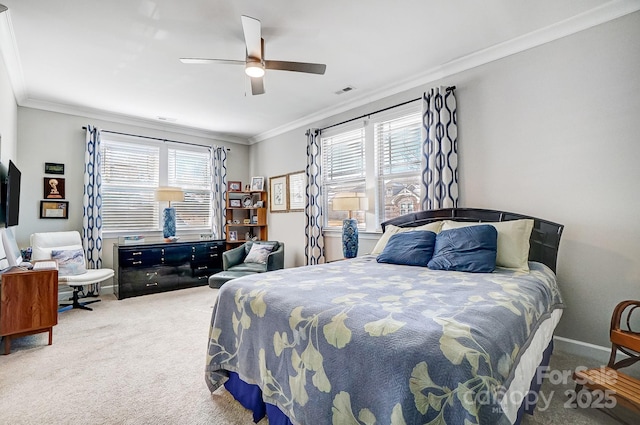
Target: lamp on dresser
x,y
169,194
350,202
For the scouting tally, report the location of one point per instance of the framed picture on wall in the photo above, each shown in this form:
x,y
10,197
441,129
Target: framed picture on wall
x,y
54,209
53,188
297,187
278,187
53,168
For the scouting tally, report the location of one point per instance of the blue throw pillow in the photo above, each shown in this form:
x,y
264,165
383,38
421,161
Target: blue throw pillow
x,y
409,248
466,249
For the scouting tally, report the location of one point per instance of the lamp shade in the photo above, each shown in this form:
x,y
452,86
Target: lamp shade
x,y
171,194
350,202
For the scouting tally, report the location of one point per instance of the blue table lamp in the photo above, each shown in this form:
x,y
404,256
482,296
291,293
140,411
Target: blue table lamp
x,y
164,194
350,202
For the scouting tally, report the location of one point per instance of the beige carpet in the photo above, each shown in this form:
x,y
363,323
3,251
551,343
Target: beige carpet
x,y
141,361
134,361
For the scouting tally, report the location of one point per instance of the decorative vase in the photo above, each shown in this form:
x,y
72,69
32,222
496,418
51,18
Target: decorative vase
x,y
169,227
350,238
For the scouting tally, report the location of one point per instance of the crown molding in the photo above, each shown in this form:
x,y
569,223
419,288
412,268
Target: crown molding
x,y
129,120
599,15
604,13
11,58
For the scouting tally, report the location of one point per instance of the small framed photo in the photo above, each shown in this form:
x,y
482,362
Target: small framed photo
x,y
54,209
246,221
53,188
53,168
254,219
233,235
257,183
235,203
259,204
234,186
278,196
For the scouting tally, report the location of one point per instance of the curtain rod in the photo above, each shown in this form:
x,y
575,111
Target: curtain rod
x,y
450,88
155,138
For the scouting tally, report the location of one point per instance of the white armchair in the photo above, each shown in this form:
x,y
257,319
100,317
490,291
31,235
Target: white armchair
x,y
66,248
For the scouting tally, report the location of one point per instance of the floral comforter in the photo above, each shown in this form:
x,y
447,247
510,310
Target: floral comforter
x,y
357,342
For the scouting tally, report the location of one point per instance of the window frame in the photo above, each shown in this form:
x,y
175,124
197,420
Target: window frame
x,y
373,177
162,179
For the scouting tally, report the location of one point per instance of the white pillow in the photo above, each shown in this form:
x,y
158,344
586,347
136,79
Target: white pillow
x,y
391,230
513,241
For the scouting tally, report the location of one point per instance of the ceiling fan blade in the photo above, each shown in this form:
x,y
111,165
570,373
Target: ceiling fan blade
x,y
205,61
309,68
257,85
252,36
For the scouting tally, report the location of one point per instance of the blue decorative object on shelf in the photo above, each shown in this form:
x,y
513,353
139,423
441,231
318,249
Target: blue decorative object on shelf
x,y
350,238
169,220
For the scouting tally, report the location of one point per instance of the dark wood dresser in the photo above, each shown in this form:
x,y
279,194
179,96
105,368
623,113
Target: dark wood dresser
x,y
156,267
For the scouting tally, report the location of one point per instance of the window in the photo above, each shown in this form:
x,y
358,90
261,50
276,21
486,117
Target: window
x,y
131,171
381,158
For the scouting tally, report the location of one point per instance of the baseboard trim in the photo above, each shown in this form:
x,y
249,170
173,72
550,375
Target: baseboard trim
x,y
584,349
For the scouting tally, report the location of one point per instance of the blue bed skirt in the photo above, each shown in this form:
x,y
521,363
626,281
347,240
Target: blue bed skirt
x,y
250,396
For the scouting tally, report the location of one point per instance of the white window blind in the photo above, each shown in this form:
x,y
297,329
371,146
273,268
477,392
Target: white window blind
x,y
343,170
130,175
191,170
399,152
343,156
131,171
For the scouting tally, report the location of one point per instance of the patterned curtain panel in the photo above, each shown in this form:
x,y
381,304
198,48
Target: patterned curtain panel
x,y
219,186
92,203
314,248
439,149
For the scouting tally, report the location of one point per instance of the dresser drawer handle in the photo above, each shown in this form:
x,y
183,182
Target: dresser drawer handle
x,y
203,268
136,262
152,274
203,277
137,253
152,284
213,255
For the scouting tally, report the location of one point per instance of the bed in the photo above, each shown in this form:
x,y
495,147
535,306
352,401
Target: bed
x,y
363,342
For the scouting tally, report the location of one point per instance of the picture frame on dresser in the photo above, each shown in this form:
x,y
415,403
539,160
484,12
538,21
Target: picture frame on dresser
x,y
257,184
234,186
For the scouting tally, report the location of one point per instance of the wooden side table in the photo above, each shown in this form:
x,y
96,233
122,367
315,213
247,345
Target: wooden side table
x,y
28,303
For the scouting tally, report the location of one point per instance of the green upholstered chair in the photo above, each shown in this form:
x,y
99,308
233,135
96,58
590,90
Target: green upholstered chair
x,y
234,265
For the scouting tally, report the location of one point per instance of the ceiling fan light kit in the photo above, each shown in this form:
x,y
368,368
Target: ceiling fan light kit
x,y
254,69
255,63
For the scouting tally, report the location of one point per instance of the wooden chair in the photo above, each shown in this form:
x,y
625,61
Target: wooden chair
x,y
625,389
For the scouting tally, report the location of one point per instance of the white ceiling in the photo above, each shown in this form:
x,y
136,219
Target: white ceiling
x,y
120,57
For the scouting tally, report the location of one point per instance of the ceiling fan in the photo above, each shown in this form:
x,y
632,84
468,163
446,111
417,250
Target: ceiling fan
x,y
255,63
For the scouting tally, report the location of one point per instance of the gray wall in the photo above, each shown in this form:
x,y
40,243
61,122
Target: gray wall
x,y
8,118
550,132
55,137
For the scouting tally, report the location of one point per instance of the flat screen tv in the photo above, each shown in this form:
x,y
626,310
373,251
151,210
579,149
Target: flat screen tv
x,y
12,200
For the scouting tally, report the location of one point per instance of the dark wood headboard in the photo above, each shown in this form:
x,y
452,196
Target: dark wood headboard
x,y
545,236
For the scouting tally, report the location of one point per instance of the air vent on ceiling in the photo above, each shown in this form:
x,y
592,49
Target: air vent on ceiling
x,y
345,90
